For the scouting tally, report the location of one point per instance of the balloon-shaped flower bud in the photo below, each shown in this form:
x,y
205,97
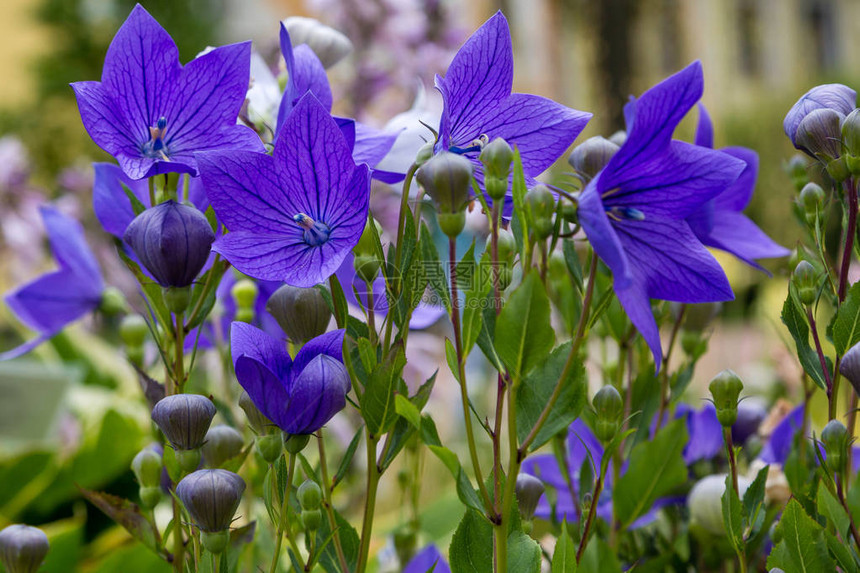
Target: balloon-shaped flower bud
x,y
797,170
22,548
507,246
820,135
329,45
850,366
447,180
172,241
311,519
222,443
592,155
540,203
608,406
805,281
725,389
835,97
259,423
366,260
851,133
302,313
132,332
751,413
309,495
529,489
705,502
211,498
147,467
811,199
184,419
834,436
244,293
295,443
497,157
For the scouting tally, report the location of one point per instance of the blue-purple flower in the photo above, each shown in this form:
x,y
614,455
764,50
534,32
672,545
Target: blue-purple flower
x,y
634,210
152,114
299,395
720,223
295,215
479,106
837,97
56,299
428,559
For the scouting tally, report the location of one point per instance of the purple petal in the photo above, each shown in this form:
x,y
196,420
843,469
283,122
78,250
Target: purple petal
x,y
478,79
70,248
371,145
261,364
426,560
306,74
316,395
545,467
738,195
196,193
251,342
24,348
50,302
831,96
706,435
601,235
330,344
110,202
778,446
704,129
737,234
581,442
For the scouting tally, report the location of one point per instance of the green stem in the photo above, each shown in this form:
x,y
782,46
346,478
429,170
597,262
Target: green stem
x,y
327,491
592,512
283,520
178,543
369,501
851,193
398,247
206,288
832,386
179,359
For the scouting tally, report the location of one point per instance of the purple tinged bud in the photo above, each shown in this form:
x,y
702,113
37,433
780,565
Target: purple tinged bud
x,y
221,444
725,389
23,548
820,134
836,97
211,498
259,422
851,133
184,419
850,366
302,313
592,155
172,241
529,490
447,179
619,137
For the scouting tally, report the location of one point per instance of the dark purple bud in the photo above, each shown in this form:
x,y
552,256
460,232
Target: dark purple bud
x,y
22,548
184,419
172,241
836,97
592,155
211,498
221,444
850,366
751,413
302,313
820,134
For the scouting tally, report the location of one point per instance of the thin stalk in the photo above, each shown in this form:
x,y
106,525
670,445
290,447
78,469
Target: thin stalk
x,y
733,466
329,509
398,246
283,521
461,367
206,287
592,512
832,389
664,373
179,358
840,490
500,383
369,502
178,543
851,194
371,320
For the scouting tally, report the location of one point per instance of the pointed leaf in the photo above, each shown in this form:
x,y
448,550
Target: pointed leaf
x,y
524,336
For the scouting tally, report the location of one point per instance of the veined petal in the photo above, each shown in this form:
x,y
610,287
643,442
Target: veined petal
x,y
704,129
832,96
317,393
372,145
636,303
52,301
737,234
601,236
110,202
778,446
105,122
305,74
737,196
330,344
480,76
251,342
706,435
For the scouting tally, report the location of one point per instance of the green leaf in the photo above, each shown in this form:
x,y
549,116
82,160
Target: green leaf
x,y
732,516
564,556
137,206
796,323
349,542
830,507
126,514
524,553
434,273
840,552
465,490
476,301
753,503
846,323
656,467
346,461
408,410
485,338
534,394
377,403
205,288
471,548
524,336
451,357
598,557
803,548
571,259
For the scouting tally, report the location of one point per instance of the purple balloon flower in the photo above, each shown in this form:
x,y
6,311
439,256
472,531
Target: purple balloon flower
x,y
56,299
837,97
295,215
479,106
152,114
720,223
299,395
428,559
634,210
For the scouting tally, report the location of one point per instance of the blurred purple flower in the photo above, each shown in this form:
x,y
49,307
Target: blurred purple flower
x,y
152,114
299,395
633,210
720,223
480,107
778,445
428,559
837,97
295,215
56,299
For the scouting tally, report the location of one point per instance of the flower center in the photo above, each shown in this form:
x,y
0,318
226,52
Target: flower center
x,y
629,213
155,147
316,232
475,145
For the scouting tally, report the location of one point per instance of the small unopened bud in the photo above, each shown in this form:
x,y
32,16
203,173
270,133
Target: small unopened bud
x,y
529,489
295,443
592,155
147,466
424,154
805,281
260,423
447,179
541,204
23,548
850,366
302,313
311,519
366,260
329,45
172,241
497,157
507,246
835,440
184,420
820,134
270,447
244,294
811,198
705,502
609,407
851,133
133,330
310,495
221,444
725,389
211,498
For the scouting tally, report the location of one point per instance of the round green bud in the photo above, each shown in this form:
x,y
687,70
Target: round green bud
x,y
295,443
452,224
811,198
245,315
497,157
725,389
850,130
177,299
838,169
149,497
366,267
447,180
507,246
270,447
222,444
541,204
113,302
424,154
310,495
568,210
147,466
835,440
244,293
302,313
311,519
805,281
189,460
133,330
215,542
367,242
608,406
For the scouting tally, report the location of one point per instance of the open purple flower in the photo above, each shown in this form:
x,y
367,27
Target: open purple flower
x,y
56,299
295,215
720,223
428,559
837,97
479,106
633,210
152,114
299,395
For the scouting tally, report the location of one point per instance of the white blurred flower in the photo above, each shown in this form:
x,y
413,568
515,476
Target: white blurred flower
x,y
328,44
